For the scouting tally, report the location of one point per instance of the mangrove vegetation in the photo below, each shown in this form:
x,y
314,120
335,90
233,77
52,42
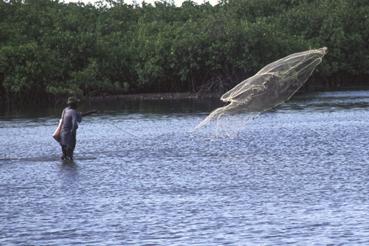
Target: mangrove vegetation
x,y
50,48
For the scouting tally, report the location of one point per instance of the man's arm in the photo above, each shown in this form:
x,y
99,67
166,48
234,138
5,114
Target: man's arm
x,y
88,113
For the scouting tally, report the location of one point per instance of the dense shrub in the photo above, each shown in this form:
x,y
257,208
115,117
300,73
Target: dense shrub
x,y
50,48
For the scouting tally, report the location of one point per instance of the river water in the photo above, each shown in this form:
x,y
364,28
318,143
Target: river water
x,y
296,175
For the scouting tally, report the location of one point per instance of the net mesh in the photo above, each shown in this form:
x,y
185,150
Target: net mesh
x,y
272,85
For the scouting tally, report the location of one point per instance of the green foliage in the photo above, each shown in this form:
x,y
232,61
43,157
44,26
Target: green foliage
x,y
51,48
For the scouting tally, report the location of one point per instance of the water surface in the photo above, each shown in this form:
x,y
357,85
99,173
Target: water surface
x,y
296,175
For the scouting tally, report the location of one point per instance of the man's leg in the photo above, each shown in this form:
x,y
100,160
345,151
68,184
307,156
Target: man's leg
x,y
64,150
70,153
72,146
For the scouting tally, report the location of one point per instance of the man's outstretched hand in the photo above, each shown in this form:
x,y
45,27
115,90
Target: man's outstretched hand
x,y
89,112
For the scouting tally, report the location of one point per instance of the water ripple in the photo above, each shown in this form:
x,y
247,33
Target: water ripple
x,y
296,175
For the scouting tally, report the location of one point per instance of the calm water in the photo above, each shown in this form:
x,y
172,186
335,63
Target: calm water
x,y
296,175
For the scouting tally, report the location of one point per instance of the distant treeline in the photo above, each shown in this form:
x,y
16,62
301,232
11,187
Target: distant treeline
x,y
52,48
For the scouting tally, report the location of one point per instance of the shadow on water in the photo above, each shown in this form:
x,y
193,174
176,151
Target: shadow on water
x,y
44,159
69,172
69,166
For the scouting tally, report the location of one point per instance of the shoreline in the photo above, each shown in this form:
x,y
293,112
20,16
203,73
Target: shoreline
x,y
166,96
199,96
137,97
155,96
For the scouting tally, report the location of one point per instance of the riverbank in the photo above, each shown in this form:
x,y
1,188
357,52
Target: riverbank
x,y
312,86
155,96
140,102
307,88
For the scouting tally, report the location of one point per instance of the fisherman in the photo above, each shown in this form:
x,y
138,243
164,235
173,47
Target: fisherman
x,y
66,131
70,120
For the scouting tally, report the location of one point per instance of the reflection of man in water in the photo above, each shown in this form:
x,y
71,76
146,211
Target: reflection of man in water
x,y
70,119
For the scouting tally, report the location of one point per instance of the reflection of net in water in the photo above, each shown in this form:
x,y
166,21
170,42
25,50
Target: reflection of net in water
x,y
271,86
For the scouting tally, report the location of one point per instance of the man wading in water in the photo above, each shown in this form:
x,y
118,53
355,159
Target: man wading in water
x,y
70,120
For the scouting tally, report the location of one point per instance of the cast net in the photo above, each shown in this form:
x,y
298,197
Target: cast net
x,y
271,86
